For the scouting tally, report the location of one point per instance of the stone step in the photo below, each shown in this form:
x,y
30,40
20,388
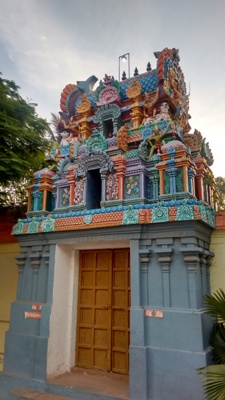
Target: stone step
x,y
28,394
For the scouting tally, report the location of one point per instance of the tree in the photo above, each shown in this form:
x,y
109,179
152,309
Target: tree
x,y
220,183
23,139
55,133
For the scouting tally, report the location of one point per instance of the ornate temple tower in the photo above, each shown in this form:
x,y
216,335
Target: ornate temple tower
x,y
115,253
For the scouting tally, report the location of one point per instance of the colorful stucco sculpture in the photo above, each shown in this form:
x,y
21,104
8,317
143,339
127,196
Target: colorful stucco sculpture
x,y
125,145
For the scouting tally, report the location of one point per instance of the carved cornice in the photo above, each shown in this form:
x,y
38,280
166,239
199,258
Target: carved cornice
x,y
145,256
35,261
164,256
21,260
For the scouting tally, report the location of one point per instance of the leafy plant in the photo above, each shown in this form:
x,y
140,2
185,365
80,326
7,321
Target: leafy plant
x,y
214,375
214,381
217,343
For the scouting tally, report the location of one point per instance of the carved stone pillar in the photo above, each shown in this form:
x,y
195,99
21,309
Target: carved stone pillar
x,y
85,190
154,178
200,163
36,195
164,256
71,181
103,179
120,168
161,181
84,110
145,256
84,128
191,186
35,263
192,261
134,92
172,172
141,183
185,178
44,291
21,260
137,115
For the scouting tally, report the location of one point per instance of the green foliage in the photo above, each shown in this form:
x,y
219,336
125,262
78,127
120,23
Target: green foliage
x,y
220,184
214,381
214,375
23,139
217,343
55,133
14,194
215,305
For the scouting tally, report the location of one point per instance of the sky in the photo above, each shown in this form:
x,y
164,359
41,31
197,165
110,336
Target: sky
x,y
46,44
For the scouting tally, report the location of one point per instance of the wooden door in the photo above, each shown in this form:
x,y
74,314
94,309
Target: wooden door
x,y
103,314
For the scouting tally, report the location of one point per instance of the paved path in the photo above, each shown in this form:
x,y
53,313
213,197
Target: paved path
x,y
85,387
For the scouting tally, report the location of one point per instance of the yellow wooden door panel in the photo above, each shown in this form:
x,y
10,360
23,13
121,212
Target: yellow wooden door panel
x,y
120,311
84,353
102,318
103,315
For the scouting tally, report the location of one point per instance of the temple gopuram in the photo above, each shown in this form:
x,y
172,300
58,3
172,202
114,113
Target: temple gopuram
x,y
115,253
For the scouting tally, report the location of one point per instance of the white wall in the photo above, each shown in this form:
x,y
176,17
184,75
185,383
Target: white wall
x,y
61,343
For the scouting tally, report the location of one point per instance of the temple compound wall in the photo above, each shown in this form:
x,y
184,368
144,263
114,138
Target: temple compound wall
x,y
115,249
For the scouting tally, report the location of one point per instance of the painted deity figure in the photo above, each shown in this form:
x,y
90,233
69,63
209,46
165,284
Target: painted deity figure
x,y
164,112
64,141
155,141
122,137
160,114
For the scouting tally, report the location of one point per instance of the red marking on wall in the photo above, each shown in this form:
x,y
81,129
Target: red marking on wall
x,y
154,313
36,306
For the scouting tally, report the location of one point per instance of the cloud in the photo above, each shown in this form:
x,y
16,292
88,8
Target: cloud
x,y
36,44
52,43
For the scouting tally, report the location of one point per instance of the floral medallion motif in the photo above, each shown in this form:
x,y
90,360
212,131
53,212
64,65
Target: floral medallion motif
x,y
132,186
88,219
160,214
48,225
65,196
185,213
33,226
130,216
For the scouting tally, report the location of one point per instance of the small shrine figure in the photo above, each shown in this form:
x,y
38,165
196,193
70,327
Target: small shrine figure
x,y
64,141
164,112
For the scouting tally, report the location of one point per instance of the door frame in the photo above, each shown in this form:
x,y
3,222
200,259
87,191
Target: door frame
x,y
62,338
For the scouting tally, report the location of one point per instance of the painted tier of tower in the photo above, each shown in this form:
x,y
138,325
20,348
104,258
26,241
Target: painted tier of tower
x,y
126,156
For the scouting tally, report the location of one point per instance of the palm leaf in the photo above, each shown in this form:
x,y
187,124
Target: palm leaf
x,y
217,343
215,305
214,381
